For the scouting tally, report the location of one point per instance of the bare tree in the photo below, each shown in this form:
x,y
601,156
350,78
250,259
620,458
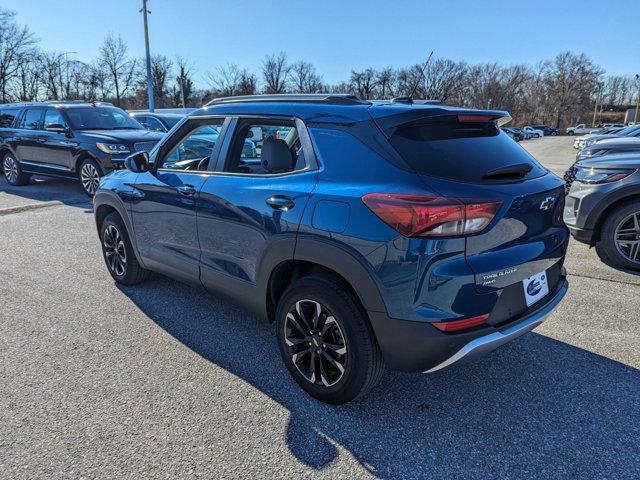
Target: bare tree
x,y
225,80
29,80
275,71
365,82
120,68
386,81
183,89
230,80
17,47
571,80
161,67
248,83
304,78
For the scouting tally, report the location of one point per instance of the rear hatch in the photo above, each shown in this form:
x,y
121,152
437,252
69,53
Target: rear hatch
x,y
463,155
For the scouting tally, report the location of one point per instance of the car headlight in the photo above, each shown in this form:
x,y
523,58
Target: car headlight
x,y
590,153
601,175
112,148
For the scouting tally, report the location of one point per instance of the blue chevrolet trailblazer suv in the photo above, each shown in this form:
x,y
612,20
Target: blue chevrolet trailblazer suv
x,y
396,233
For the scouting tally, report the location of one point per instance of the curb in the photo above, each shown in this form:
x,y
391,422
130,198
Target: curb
x,y
35,206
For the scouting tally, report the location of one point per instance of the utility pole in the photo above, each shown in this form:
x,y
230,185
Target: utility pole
x,y
595,110
146,44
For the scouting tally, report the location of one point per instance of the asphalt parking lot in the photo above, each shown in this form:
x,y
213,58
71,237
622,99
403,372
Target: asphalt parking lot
x,y
163,381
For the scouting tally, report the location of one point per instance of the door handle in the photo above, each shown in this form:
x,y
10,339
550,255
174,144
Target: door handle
x,y
186,190
280,202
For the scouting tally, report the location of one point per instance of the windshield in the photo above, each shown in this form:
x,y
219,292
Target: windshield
x,y
101,118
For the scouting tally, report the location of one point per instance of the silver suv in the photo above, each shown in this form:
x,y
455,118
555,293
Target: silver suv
x,y
603,206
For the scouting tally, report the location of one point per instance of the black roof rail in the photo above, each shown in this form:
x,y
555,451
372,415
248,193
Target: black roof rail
x,y
44,103
410,100
329,98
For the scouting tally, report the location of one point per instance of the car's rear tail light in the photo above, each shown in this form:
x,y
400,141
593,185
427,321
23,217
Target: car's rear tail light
x,y
462,324
432,216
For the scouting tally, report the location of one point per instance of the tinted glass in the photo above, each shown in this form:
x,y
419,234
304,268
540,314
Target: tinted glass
x,y
460,151
245,154
101,118
194,150
53,117
7,116
31,120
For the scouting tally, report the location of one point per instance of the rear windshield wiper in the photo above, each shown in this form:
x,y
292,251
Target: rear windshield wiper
x,y
518,170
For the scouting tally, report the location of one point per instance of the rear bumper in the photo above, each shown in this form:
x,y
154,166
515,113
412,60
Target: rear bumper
x,y
487,343
419,347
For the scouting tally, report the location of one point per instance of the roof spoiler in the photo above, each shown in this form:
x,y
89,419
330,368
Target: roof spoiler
x,y
390,123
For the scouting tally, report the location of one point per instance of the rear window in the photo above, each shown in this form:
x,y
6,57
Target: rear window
x,y
467,152
7,116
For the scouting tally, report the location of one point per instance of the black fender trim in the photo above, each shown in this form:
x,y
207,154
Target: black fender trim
x,y
617,195
111,199
347,263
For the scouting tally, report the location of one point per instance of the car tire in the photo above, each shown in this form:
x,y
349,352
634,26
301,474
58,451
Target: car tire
x,y
12,170
553,134
537,135
89,174
118,253
337,359
620,236
570,132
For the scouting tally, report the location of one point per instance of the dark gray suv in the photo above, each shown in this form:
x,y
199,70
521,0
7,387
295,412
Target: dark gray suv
x,y
70,139
603,206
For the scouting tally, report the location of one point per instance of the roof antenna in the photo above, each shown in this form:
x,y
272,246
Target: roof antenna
x,y
409,98
424,68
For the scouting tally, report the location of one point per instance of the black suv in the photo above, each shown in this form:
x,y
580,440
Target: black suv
x,y
548,131
68,139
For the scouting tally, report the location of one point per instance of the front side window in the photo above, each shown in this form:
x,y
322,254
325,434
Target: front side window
x,y
101,118
194,151
53,117
7,116
31,120
265,147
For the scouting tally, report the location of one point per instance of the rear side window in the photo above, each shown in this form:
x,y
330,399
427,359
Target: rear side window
x,y
7,116
31,120
467,152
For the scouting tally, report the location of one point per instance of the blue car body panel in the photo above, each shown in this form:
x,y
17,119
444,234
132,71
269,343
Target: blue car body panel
x,y
226,238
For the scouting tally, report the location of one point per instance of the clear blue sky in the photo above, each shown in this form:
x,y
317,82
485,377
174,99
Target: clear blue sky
x,y
338,35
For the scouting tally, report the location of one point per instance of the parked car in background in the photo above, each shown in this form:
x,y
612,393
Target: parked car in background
x,y
608,146
517,136
581,128
626,132
75,140
609,125
407,263
535,132
603,206
580,141
525,135
547,129
157,122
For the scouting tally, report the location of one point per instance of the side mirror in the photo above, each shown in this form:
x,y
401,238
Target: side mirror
x,y
138,162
